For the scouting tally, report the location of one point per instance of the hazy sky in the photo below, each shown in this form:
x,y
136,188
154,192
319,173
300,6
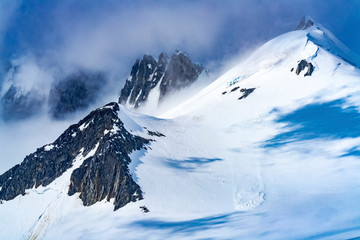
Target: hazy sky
x,y
107,33
44,36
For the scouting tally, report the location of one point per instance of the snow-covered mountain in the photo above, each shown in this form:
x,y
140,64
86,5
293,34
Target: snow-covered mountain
x,y
150,80
102,144
269,150
61,94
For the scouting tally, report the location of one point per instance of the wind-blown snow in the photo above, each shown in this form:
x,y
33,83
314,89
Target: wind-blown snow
x,y
40,208
282,163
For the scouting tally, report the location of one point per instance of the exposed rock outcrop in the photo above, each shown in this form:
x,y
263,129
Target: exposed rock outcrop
x,y
302,65
102,175
74,92
305,23
146,74
246,92
180,73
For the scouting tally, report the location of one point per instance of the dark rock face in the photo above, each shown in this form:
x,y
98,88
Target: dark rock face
x,y
301,66
180,73
105,174
234,89
73,93
157,134
144,76
16,105
144,209
305,23
175,74
246,92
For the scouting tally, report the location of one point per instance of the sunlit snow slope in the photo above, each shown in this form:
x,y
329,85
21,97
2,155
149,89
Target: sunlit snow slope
x,y
261,153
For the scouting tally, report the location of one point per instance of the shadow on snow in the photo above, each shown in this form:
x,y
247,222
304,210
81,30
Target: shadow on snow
x,y
191,163
322,120
190,226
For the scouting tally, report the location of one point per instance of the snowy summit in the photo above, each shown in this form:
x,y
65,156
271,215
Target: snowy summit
x,y
269,150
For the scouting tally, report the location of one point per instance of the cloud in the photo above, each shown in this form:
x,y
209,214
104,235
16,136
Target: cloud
x,y
53,39
122,34
109,35
27,68
19,139
7,8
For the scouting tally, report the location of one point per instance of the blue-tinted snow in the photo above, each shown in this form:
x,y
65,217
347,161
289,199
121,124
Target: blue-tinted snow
x,y
191,163
355,151
329,42
337,234
319,120
189,226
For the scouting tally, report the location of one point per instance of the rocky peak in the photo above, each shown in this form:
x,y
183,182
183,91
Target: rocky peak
x,y
305,23
163,59
146,74
180,73
102,174
74,92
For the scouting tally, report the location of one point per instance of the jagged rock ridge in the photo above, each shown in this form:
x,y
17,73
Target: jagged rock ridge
x,y
69,93
246,92
146,74
305,23
75,92
102,175
302,65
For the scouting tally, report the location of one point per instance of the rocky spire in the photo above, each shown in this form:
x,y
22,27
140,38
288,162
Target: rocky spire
x,y
180,73
305,23
146,74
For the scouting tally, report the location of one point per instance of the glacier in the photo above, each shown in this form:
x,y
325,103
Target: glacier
x,y
282,163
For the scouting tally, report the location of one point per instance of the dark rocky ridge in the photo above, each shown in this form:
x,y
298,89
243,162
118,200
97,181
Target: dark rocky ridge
x,y
75,92
103,175
246,92
144,76
180,73
302,65
174,74
305,23
16,105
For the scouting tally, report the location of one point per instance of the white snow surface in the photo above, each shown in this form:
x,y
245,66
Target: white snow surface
x,y
49,147
211,176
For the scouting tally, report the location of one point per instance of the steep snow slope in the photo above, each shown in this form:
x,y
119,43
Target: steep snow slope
x,y
227,169
269,70
281,162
